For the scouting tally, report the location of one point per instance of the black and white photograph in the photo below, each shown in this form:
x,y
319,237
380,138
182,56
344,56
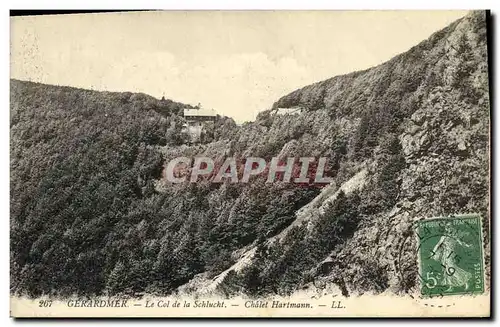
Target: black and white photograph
x,y
272,163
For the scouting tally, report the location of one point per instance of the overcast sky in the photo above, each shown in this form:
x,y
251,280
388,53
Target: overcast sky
x,y
237,63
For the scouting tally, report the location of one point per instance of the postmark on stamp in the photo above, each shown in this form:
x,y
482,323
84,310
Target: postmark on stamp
x,y
451,255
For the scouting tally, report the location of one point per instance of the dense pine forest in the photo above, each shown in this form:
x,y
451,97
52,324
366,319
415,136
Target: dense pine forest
x,y
91,213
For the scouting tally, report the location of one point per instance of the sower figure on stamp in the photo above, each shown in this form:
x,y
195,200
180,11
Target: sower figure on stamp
x,y
445,252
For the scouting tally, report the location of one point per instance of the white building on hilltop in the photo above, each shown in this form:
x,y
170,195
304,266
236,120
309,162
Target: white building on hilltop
x,y
287,111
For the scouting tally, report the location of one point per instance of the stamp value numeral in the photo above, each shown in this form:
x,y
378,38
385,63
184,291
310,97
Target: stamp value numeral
x,y
432,279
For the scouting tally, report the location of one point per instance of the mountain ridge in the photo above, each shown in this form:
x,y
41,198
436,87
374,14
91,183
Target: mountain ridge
x,y
88,197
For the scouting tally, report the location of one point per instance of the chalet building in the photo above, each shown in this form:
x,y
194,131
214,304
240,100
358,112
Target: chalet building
x,y
196,120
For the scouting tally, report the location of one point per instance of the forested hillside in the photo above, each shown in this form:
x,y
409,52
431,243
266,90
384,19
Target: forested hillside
x,y
419,125
91,213
83,165
421,122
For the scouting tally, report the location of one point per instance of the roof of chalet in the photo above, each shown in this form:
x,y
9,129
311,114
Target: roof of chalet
x,y
199,112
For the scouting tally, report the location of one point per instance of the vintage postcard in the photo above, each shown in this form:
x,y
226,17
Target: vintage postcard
x,y
250,164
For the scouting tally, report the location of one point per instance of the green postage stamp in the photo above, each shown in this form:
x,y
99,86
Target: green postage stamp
x,y
451,255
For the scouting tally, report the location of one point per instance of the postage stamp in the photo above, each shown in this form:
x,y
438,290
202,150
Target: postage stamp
x,y
451,255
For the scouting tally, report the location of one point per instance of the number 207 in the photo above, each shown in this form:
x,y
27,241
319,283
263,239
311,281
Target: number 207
x,y
45,303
